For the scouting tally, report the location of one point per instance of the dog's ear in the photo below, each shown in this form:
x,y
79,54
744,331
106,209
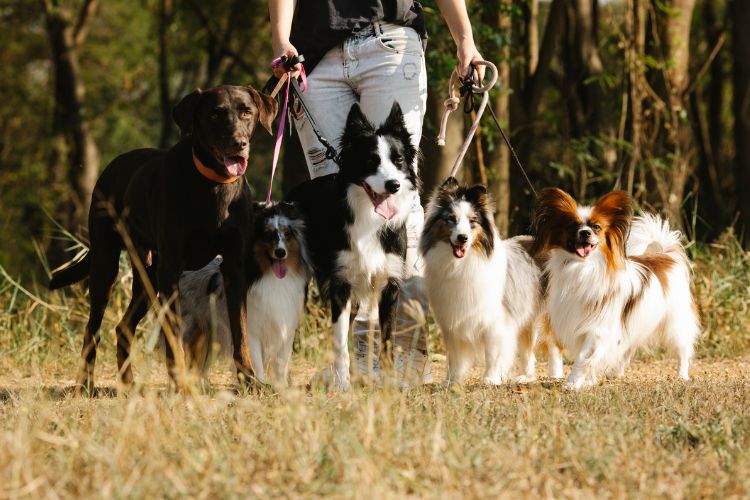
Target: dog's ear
x,y
267,108
395,121
450,184
183,113
357,123
476,192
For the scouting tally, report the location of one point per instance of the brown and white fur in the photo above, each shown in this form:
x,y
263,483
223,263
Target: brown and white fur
x,y
274,302
615,284
485,292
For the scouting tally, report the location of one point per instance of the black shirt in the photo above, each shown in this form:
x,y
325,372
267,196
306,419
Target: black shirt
x,y
320,25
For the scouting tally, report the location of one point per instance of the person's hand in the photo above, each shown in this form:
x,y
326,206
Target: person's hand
x,y
288,50
467,53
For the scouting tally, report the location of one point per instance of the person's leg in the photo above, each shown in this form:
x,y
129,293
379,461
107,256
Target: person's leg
x,y
328,99
390,67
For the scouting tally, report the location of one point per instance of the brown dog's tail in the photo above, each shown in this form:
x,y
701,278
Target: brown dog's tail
x,y
70,273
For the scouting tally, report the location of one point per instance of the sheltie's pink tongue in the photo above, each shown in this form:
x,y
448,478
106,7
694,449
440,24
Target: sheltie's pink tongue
x,y
459,252
279,268
385,204
584,251
235,165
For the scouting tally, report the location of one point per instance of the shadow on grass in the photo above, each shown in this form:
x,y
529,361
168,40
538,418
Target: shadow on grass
x,y
55,393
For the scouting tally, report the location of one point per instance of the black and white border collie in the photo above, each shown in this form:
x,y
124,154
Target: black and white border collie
x,y
485,292
615,283
357,225
274,302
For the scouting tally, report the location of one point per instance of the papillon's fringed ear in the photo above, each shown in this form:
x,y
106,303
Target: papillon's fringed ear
x,y
183,113
357,122
267,108
615,211
555,211
395,121
616,206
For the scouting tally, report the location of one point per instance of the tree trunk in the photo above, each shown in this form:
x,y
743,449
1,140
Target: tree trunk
x,y
634,53
741,51
673,19
165,99
498,160
70,126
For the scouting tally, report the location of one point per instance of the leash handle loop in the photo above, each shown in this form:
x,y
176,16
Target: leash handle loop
x,y
289,63
451,104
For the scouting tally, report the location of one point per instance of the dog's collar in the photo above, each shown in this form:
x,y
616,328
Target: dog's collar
x,y
210,173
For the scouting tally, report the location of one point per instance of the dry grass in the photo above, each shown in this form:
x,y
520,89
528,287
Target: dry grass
x,y
645,435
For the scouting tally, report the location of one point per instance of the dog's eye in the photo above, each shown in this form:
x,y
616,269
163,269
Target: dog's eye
x,y
214,115
596,227
398,159
473,221
246,114
450,218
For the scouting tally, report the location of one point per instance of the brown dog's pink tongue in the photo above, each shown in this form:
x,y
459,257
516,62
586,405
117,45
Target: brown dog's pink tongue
x,y
235,165
279,268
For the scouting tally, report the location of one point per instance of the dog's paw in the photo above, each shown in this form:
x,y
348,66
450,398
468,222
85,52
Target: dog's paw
x,y
526,379
327,379
494,380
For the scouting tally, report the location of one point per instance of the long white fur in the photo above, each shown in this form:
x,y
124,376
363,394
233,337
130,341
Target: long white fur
x,y
366,265
274,310
470,298
586,303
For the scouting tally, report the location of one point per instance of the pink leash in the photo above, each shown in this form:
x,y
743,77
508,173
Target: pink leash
x,y
451,104
280,133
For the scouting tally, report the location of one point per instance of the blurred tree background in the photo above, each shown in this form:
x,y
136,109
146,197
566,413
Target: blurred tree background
x,y
650,96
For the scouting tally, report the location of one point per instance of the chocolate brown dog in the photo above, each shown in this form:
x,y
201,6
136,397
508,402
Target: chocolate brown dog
x,y
179,208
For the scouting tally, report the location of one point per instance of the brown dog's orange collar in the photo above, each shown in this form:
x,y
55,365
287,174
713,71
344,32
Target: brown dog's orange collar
x,y
210,173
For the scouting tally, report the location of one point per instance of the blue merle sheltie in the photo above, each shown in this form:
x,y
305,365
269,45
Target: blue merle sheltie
x,y
356,223
485,292
275,300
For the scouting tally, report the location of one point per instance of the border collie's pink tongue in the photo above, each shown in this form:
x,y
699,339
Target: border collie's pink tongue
x,y
459,252
584,251
385,204
279,268
235,165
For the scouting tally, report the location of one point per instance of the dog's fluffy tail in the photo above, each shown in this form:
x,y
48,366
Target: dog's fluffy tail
x,y
651,234
72,272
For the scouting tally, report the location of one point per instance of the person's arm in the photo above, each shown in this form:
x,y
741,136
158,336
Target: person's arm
x,y
455,15
282,13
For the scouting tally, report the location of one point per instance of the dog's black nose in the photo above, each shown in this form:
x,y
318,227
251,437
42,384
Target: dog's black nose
x,y
392,186
280,253
462,238
239,142
584,233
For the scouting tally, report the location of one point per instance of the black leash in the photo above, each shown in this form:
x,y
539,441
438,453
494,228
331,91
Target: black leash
x,y
510,147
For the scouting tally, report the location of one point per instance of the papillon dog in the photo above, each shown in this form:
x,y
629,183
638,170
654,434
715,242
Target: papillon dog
x,y
615,284
280,271
485,292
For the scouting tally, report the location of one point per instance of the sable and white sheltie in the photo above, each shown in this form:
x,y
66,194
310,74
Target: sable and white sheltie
x,y
275,300
485,292
615,284
357,225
